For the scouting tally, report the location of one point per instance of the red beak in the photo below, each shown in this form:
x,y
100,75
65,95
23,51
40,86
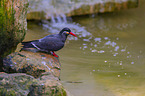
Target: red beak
x,y
72,34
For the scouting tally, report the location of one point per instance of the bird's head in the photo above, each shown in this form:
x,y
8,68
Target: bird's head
x,y
66,31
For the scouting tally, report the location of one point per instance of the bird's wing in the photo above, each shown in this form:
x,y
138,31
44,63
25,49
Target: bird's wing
x,y
49,43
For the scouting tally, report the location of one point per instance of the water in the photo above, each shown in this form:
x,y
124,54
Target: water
x,y
59,7
107,58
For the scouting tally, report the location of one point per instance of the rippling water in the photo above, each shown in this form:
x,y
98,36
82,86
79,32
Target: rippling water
x,y
107,58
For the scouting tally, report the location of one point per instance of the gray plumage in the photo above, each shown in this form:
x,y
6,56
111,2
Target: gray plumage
x,y
51,42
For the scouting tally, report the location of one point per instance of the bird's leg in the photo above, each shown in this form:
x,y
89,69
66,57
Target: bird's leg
x,y
52,52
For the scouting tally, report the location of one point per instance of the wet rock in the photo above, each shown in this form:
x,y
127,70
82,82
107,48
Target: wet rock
x,y
32,63
46,9
31,73
15,84
20,84
13,25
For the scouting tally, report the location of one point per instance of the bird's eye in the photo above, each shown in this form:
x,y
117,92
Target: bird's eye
x,y
67,32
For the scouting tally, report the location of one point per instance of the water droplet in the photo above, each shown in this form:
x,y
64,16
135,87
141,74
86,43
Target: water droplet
x,y
113,44
97,39
85,47
101,51
108,43
27,59
76,38
121,63
86,40
123,50
95,45
105,38
94,50
132,62
42,84
115,54
91,44
116,48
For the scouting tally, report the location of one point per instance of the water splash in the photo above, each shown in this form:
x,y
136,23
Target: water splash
x,y
53,19
60,22
54,7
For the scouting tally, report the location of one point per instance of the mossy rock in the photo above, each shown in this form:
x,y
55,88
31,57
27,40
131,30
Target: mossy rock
x,y
13,24
31,73
20,84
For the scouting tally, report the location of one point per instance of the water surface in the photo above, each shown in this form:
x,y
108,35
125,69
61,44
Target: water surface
x,y
107,58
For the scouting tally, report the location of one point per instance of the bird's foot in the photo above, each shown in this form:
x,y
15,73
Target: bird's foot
x,y
55,55
52,52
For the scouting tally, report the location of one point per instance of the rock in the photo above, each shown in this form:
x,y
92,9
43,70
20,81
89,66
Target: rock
x,y
32,63
31,73
13,25
46,9
15,84
20,84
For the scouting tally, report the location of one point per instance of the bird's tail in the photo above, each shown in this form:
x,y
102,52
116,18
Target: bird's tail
x,y
27,44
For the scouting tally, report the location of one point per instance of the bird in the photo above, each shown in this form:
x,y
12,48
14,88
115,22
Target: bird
x,y
49,43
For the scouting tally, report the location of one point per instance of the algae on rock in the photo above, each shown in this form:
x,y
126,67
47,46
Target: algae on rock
x,y
32,74
13,24
20,84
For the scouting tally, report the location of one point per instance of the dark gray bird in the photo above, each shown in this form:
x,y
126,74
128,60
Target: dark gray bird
x,y
50,43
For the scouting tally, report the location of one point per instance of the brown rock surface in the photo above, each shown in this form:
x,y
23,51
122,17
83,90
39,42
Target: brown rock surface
x,y
32,63
32,73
